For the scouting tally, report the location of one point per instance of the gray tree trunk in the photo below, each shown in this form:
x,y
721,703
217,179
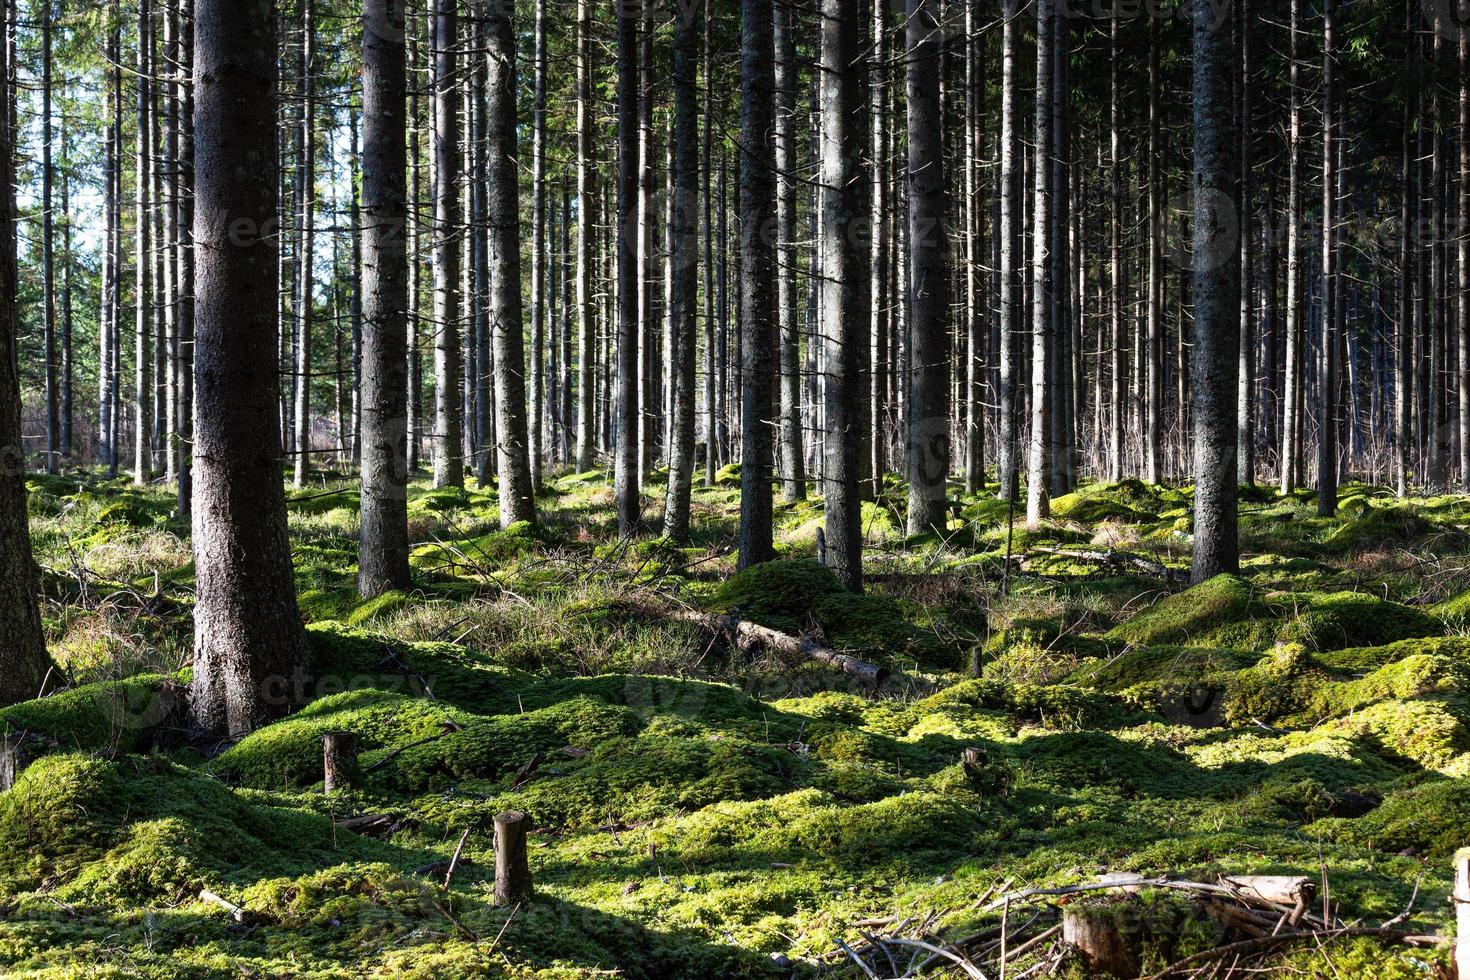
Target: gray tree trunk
x,y
757,272
1038,501
1327,351
48,249
627,464
845,316
683,272
143,259
250,653
928,257
586,304
793,461
1011,220
383,561
1291,393
517,502
306,220
537,422
448,442
1216,292
1245,424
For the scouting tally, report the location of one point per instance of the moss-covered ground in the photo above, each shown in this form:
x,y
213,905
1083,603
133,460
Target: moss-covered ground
x,y
702,810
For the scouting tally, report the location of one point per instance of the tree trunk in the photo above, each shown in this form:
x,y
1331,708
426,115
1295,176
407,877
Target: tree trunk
x,y
1011,219
757,271
536,446
1245,399
792,455
23,655
503,212
249,650
306,220
143,259
928,257
1216,299
1291,393
844,286
383,559
48,250
448,449
628,469
586,306
1327,351
976,308
1154,427
1038,501
683,284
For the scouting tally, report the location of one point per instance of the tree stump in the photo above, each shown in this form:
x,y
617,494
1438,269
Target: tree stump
x,y
14,757
1097,933
512,869
1462,911
339,760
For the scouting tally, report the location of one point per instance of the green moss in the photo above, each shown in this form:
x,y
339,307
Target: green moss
x,y
1222,608
1376,527
119,715
1430,819
382,605
778,594
1331,621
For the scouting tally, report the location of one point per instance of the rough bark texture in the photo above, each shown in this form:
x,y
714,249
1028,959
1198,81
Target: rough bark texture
x,y
1011,219
586,307
757,272
1216,291
683,284
1038,500
1291,386
844,315
448,441
506,322
928,256
627,470
793,449
142,262
383,559
23,659
249,647
1327,350
512,870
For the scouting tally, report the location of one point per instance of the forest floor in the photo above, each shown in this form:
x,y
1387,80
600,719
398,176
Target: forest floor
x,y
703,810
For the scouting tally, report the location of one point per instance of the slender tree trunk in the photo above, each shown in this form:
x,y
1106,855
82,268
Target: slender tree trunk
x,y
1462,249
683,276
1154,429
976,316
143,259
1117,414
108,314
928,258
1011,221
1291,394
448,450
1216,298
586,307
306,219
1327,350
383,562
48,249
793,459
537,445
516,488
250,651
1038,503
757,271
1245,425
845,316
628,469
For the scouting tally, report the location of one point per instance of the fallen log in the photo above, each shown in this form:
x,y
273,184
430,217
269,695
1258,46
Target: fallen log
x,y
236,913
376,824
749,634
1112,559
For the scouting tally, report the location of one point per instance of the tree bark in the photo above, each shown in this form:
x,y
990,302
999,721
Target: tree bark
x,y
1291,394
1216,293
517,501
1038,501
1011,220
586,306
448,448
143,258
845,316
306,220
249,649
383,559
628,469
928,257
757,271
793,460
1327,351
536,446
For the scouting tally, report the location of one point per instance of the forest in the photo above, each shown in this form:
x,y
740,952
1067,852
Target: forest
x,y
867,489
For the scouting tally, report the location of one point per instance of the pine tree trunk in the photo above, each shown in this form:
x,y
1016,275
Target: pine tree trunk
x,y
793,460
536,446
1117,410
48,250
1154,428
448,449
586,311
306,219
928,257
757,272
683,282
1245,424
383,561
24,663
1216,294
976,306
1038,502
517,502
845,316
1327,350
1291,391
143,260
1011,220
628,467
250,651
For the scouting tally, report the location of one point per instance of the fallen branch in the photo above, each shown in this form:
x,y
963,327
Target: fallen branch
x,y
749,634
236,912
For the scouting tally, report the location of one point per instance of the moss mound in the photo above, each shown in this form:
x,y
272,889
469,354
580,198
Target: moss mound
x,y
1219,612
